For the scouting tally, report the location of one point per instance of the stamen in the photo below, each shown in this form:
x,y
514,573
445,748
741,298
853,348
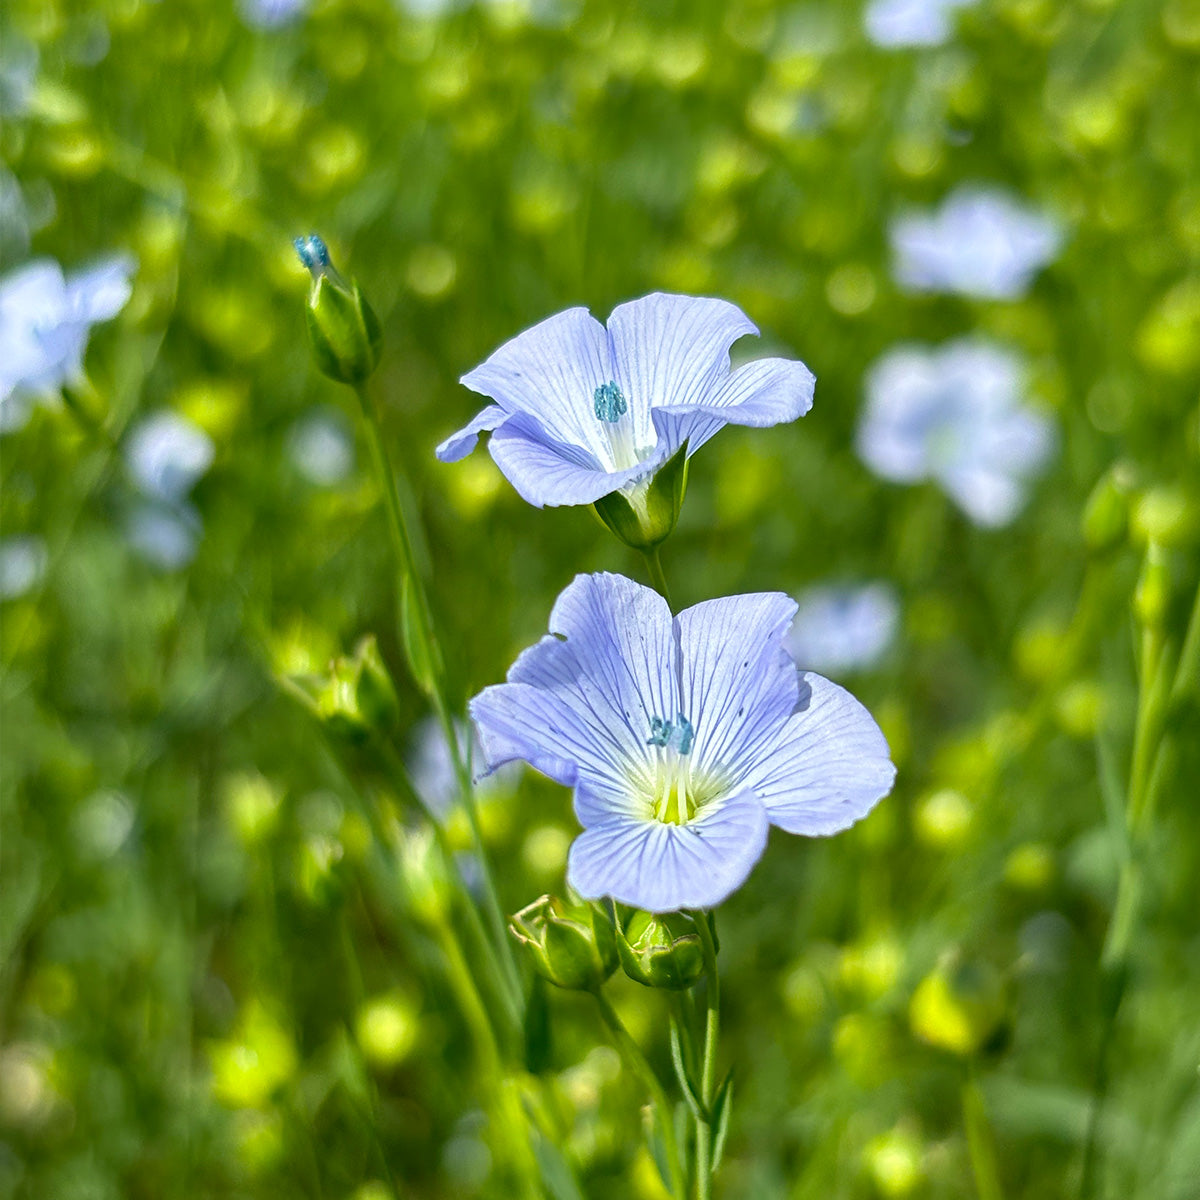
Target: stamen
x,y
609,403
684,734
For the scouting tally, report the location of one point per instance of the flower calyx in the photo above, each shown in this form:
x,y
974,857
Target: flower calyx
x,y
661,951
571,945
644,516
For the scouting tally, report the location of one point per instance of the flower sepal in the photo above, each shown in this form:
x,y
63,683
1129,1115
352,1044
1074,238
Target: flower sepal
x,y
342,326
571,945
644,517
661,951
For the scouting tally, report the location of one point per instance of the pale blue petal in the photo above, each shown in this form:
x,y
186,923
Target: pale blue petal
x,y
738,683
516,721
663,867
991,497
585,695
844,628
829,766
546,471
552,372
672,350
459,445
769,391
904,410
102,290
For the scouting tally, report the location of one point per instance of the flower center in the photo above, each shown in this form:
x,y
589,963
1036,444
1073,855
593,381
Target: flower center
x,y
674,800
609,402
612,411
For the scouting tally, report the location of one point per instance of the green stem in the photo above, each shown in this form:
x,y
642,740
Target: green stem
x,y
980,1142
512,1134
657,576
635,1060
705,925
425,659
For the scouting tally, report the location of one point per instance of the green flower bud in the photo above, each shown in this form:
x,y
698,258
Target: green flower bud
x,y
571,945
1106,514
1153,591
342,326
355,699
645,517
661,951
960,1007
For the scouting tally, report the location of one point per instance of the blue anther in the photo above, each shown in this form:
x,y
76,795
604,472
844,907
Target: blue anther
x,y
610,404
684,734
660,732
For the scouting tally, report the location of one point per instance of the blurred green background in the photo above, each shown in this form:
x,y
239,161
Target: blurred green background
x,y
211,983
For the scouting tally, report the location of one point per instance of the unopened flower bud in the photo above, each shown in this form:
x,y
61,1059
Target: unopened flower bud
x,y
354,698
1106,514
342,326
661,951
960,1007
571,945
1153,591
644,517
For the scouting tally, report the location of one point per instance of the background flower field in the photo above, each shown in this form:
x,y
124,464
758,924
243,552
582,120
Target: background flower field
x,y
213,979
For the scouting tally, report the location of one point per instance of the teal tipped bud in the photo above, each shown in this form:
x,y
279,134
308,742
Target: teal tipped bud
x,y
661,951
342,326
644,516
571,945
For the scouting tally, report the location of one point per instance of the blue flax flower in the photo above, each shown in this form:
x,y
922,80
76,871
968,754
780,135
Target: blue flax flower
x,y
581,411
956,415
981,243
840,627
897,23
45,320
684,738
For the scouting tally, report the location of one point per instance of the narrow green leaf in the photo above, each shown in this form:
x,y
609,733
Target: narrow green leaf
x,y
687,1086
722,1108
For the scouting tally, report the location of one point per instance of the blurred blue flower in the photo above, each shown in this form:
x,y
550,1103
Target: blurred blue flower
x,y
956,415
684,739
22,565
166,454
272,14
895,23
581,411
45,320
981,242
321,445
843,628
18,73
432,768
165,537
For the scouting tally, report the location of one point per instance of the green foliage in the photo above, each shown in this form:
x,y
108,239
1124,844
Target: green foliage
x,y
211,983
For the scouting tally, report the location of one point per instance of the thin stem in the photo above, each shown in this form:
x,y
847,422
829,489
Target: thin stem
x,y
511,1137
980,1142
657,576
419,639
635,1060
705,925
